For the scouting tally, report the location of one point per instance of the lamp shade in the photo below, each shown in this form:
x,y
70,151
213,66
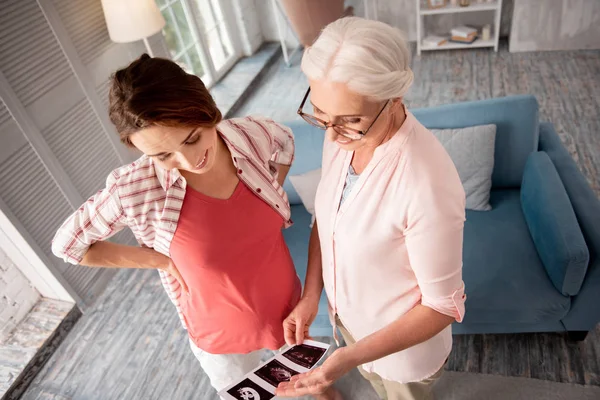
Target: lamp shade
x,y
132,20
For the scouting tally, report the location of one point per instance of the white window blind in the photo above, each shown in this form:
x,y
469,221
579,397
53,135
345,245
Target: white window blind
x,y
84,22
71,147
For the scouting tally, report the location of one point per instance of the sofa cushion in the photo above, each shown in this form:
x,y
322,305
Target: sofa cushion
x,y
472,152
553,225
516,119
309,154
504,277
306,185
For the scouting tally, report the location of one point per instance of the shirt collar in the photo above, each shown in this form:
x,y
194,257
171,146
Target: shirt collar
x,y
166,177
232,131
399,138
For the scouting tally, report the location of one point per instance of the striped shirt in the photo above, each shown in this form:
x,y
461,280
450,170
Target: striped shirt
x,y
148,199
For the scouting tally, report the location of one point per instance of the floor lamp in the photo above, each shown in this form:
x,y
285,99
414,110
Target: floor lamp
x,y
132,20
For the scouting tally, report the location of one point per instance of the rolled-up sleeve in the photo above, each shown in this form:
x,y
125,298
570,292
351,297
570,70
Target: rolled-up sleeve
x,y
434,241
283,147
97,219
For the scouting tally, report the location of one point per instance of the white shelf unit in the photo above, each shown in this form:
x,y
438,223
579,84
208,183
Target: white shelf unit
x,y
494,6
452,45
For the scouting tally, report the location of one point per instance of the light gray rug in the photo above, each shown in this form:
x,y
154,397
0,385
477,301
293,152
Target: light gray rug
x,y
469,386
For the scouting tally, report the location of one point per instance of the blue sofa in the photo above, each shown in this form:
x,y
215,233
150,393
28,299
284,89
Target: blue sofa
x,y
532,263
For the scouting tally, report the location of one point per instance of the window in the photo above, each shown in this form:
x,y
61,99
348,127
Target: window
x,y
199,36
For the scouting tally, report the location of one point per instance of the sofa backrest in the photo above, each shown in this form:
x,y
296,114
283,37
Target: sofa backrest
x,y
516,119
517,122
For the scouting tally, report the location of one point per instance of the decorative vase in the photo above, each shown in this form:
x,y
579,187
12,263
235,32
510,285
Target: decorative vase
x,y
486,32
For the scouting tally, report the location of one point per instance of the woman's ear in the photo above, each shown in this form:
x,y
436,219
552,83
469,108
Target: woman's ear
x,y
396,104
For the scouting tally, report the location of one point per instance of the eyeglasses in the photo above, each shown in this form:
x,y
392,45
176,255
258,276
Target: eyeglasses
x,y
350,133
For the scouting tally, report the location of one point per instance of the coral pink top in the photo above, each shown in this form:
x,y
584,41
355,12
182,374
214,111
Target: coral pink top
x,y
395,242
233,258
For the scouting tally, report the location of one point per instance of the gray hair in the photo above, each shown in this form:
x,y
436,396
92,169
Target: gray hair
x,y
371,57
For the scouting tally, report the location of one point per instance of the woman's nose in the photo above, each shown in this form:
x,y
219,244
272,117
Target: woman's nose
x,y
185,161
189,162
331,133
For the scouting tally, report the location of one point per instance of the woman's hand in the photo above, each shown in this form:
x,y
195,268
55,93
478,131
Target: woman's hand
x,y
164,263
172,270
114,255
317,381
295,326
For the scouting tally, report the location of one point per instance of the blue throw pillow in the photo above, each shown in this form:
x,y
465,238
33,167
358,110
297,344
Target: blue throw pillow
x,y
553,225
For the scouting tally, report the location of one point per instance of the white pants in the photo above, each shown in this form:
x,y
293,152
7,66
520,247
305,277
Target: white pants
x,y
224,369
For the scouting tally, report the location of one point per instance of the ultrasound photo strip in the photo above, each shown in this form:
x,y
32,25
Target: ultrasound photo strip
x,y
275,372
260,384
305,355
248,390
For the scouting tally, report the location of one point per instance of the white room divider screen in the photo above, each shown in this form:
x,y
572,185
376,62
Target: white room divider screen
x,y
58,145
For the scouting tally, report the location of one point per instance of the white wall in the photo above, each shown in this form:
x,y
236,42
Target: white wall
x,y
17,296
247,19
557,25
268,24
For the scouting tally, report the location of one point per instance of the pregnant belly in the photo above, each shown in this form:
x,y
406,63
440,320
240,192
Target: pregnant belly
x,y
244,308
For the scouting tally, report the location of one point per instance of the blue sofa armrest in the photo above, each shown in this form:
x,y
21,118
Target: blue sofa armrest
x,y
585,312
553,225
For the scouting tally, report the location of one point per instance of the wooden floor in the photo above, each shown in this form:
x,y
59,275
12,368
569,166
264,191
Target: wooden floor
x,y
130,345
31,343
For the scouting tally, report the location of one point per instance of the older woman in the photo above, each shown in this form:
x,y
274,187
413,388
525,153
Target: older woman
x,y
390,210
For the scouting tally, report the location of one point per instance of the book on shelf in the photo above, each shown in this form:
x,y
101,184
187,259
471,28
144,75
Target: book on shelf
x,y
468,39
457,39
434,41
463,32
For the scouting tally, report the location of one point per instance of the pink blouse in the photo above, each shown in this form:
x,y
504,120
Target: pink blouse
x,y
395,242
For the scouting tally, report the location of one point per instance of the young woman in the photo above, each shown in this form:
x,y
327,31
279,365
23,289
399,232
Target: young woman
x,y
205,202
390,208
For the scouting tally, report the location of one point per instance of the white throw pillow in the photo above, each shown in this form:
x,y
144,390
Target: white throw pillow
x,y
472,151
306,186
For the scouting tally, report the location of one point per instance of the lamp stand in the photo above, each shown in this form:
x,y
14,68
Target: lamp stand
x,y
148,48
